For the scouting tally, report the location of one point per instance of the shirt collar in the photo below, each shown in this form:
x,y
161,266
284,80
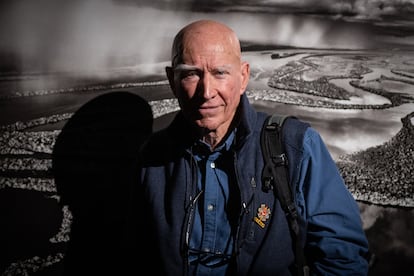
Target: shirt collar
x,y
202,147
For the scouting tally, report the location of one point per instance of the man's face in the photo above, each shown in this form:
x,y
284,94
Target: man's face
x,y
208,81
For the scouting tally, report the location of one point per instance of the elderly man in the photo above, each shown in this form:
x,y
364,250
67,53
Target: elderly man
x,y
200,188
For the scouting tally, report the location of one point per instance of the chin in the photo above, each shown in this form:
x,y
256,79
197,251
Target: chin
x,y
207,124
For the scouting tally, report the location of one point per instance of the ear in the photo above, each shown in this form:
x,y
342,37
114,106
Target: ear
x,y
245,74
170,75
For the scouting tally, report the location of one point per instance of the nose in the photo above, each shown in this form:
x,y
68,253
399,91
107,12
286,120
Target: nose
x,y
206,86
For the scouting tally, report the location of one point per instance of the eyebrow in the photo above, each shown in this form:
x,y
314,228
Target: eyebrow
x,y
184,67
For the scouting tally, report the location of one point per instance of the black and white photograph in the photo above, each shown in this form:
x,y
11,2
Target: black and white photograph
x,y
80,79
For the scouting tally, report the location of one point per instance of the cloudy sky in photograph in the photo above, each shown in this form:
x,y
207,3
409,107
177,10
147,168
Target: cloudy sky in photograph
x,y
94,34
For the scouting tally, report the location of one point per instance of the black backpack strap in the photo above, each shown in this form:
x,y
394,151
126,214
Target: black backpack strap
x,y
275,176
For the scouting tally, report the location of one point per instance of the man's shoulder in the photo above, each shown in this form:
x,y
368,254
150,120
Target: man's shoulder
x,y
166,144
159,144
293,131
292,126
293,122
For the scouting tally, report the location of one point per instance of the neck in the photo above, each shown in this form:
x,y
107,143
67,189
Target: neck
x,y
212,139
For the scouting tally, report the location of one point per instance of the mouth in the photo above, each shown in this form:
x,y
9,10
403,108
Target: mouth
x,y
208,111
207,107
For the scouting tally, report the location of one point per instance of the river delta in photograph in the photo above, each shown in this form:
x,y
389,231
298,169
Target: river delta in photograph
x,y
361,102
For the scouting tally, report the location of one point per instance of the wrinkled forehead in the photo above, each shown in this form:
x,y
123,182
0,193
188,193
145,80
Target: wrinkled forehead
x,y
207,42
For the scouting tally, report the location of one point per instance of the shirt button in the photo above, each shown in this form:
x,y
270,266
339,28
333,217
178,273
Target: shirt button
x,y
212,165
210,207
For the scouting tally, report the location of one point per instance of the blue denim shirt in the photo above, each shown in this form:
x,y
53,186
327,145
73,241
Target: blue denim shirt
x,y
211,241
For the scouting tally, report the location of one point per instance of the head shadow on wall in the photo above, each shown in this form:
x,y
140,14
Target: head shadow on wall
x,y
94,169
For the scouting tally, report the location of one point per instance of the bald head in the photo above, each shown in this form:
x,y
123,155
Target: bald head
x,y
201,32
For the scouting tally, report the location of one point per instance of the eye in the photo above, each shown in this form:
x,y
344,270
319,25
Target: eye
x,y
189,74
220,73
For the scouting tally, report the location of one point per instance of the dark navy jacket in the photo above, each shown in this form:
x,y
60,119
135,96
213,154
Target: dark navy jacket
x,y
335,241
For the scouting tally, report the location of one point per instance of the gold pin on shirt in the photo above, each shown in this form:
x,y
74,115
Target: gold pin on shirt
x,y
263,214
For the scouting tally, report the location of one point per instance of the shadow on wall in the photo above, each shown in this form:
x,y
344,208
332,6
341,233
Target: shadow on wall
x,y
93,165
